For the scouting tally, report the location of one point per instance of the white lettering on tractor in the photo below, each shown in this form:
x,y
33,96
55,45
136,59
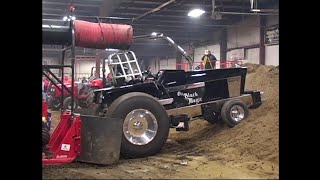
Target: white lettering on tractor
x,y
190,97
61,156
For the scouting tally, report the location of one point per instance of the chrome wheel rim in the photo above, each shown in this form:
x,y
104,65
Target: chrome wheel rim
x,y
74,105
140,127
237,113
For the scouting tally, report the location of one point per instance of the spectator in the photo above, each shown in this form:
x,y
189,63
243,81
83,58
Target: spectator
x,y
84,80
45,83
208,60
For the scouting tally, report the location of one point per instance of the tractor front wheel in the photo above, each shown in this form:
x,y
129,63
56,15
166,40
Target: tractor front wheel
x,y
145,124
234,111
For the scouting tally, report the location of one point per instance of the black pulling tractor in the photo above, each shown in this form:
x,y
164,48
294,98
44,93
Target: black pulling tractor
x,y
133,116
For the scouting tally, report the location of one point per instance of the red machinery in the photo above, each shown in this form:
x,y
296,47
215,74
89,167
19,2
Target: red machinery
x,y
46,116
81,93
81,137
64,141
100,145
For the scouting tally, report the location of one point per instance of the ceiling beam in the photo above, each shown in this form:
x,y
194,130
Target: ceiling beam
x,y
65,10
61,12
250,13
165,31
155,10
180,10
169,13
182,25
156,2
159,26
139,32
107,7
186,4
186,24
68,4
176,36
139,12
78,1
146,2
181,17
65,6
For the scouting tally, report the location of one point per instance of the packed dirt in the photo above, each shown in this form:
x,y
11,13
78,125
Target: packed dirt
x,y
249,150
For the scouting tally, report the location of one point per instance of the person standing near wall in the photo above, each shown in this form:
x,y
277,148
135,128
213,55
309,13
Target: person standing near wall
x,y
44,98
45,83
84,80
208,60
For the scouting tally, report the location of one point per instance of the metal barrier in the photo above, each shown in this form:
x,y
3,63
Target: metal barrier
x,y
219,65
77,76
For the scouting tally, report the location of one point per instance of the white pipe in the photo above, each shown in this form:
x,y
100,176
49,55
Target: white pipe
x,y
213,5
259,14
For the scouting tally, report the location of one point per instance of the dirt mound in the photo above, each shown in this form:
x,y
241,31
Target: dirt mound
x,y
255,140
260,68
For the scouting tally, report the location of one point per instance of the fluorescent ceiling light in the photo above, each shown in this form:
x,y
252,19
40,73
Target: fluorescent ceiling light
x,y
65,18
196,13
110,49
51,26
255,10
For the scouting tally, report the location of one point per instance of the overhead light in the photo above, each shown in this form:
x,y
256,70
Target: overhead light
x,y
68,18
196,13
50,26
154,34
65,18
112,50
255,10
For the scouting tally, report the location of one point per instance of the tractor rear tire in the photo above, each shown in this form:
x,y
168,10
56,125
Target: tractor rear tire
x,y
67,103
99,110
233,112
45,136
89,100
154,120
56,106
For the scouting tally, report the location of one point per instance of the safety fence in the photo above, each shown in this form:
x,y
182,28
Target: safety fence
x,y
219,64
78,76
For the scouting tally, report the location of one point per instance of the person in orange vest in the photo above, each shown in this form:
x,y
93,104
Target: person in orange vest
x,y
208,60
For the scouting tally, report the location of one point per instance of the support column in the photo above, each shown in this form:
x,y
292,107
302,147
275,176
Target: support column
x,y
178,60
98,57
223,46
262,52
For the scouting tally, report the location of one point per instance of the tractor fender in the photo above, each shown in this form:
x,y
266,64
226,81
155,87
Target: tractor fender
x,y
112,93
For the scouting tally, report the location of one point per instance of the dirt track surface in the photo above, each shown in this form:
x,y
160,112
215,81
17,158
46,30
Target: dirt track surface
x,y
249,150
